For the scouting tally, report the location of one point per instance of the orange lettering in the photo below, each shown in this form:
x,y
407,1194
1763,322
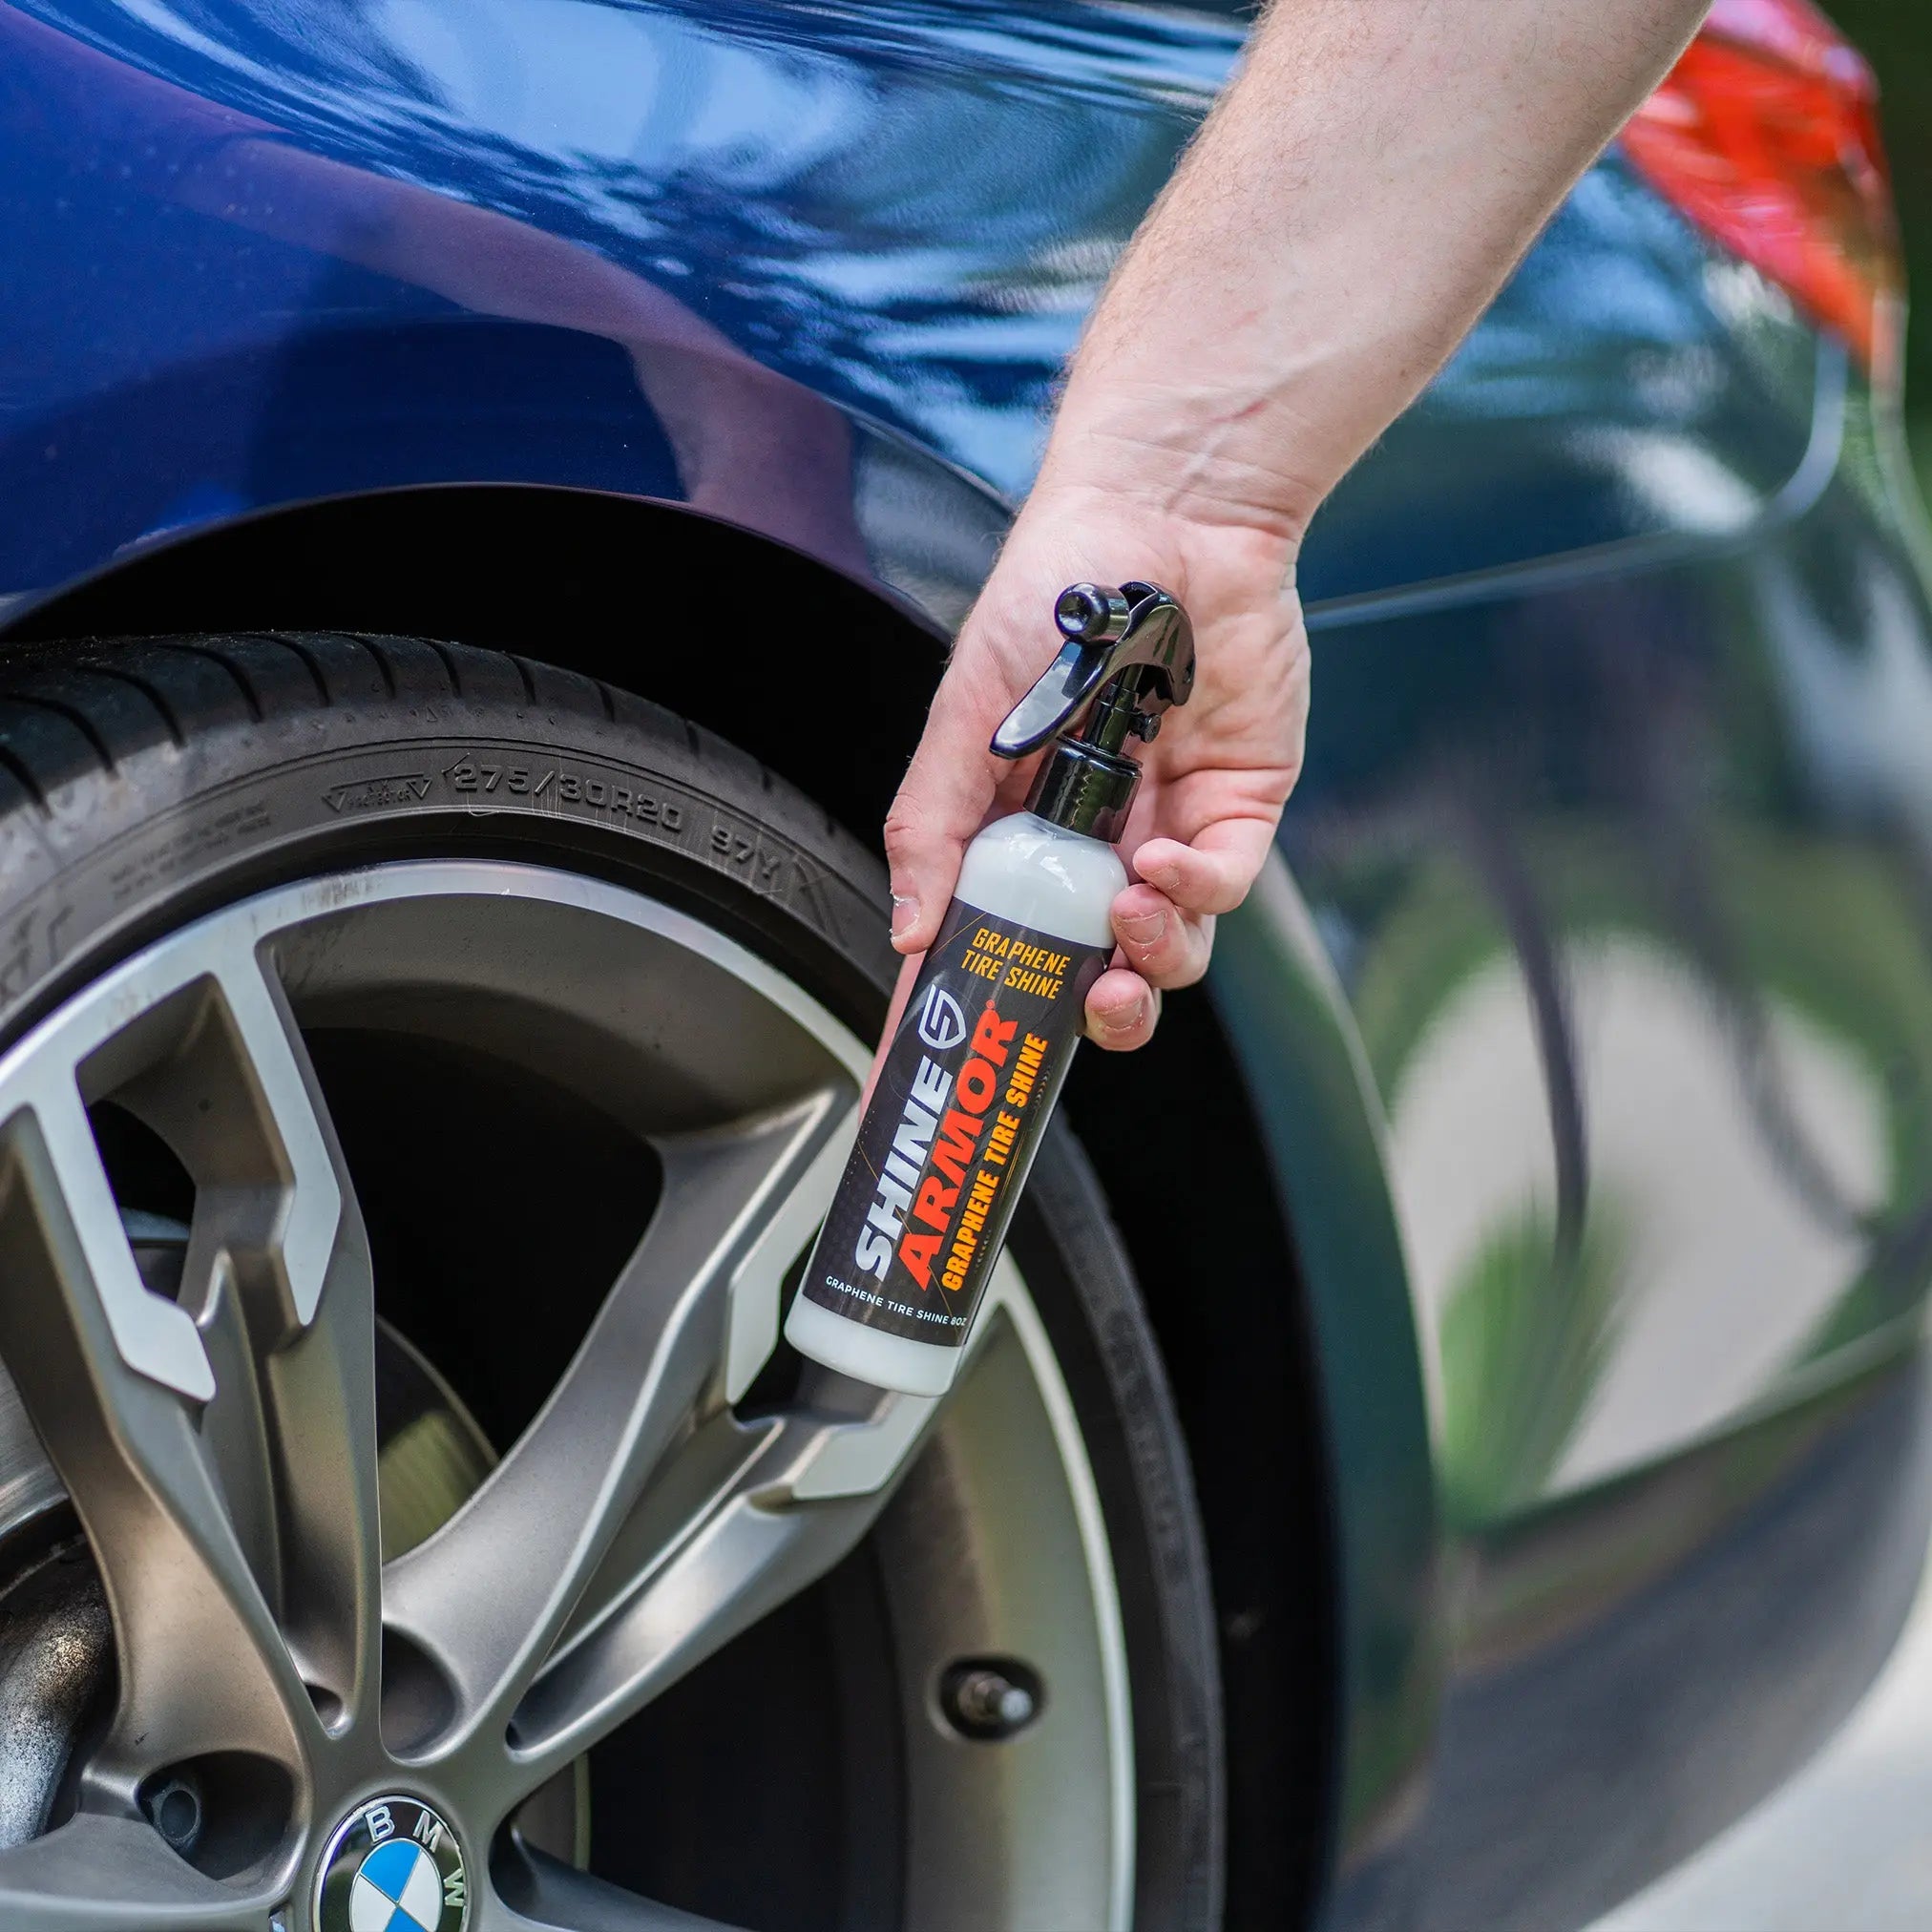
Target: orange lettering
x,y
990,1037
934,1203
952,1151
916,1252
976,1086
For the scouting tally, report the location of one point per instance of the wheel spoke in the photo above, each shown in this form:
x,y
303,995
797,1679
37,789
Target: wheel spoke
x,y
746,1516
220,1448
118,1874
531,1890
749,1555
278,1214
276,1218
485,1598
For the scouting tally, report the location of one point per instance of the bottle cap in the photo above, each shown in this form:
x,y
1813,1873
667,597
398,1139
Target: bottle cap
x,y
1128,656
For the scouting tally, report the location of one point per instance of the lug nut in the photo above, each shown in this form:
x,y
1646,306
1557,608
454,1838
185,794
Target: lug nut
x,y
986,1697
989,1698
174,1808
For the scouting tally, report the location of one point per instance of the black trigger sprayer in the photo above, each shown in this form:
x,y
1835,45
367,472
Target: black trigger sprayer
x,y
971,1076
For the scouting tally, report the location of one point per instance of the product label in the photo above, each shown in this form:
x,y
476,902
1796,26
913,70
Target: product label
x,y
968,1083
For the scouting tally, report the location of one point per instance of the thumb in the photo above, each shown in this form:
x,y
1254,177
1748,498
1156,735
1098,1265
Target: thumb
x,y
941,804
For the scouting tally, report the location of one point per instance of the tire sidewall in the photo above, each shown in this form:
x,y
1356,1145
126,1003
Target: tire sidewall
x,y
139,853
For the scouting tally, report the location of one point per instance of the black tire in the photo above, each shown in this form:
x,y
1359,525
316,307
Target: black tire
x,y
142,782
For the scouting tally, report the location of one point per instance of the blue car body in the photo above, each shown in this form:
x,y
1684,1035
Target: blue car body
x,y
1585,1023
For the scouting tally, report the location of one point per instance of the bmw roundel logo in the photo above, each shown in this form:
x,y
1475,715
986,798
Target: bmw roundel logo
x,y
395,1865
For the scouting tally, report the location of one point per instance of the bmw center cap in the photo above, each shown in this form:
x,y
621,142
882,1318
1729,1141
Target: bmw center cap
x,y
395,1865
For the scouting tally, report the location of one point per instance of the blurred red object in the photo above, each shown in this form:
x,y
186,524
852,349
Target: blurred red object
x,y
1766,135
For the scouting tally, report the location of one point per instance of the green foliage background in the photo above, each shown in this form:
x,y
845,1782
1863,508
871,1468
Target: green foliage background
x,y
1896,37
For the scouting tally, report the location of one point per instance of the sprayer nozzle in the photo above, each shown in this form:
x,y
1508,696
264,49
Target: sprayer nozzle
x,y
1128,654
1092,614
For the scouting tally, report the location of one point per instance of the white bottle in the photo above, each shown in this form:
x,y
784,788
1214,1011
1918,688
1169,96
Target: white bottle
x,y
970,1078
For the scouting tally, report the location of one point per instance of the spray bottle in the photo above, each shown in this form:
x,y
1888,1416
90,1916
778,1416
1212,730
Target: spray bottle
x,y
972,1072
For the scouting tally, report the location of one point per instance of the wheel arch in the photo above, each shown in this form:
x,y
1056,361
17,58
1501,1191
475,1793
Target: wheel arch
x,y
649,595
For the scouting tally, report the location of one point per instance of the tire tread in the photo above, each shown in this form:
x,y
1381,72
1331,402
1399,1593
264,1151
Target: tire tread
x,y
94,709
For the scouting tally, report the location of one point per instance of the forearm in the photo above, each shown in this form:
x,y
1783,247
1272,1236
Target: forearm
x,y
1346,214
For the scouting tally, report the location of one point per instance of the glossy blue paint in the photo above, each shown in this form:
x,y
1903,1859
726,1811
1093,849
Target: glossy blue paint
x,y
707,253
673,251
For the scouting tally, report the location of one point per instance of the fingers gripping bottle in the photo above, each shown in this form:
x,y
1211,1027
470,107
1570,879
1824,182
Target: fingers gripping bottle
x,y
972,1072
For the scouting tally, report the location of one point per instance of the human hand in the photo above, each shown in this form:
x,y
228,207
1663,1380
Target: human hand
x,y
1347,211
1215,779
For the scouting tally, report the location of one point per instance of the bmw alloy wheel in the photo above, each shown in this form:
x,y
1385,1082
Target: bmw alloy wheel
x,y
414,1521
